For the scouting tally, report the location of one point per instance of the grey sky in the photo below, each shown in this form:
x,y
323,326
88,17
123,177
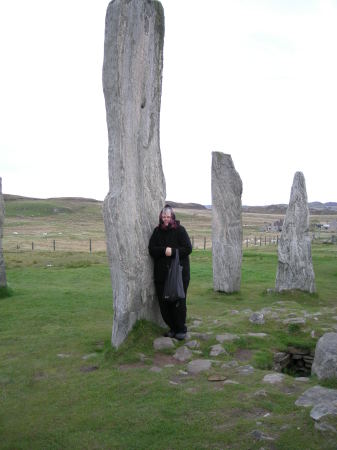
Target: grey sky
x,y
253,78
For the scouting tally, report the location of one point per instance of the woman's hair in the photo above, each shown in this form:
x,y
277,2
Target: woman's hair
x,y
167,210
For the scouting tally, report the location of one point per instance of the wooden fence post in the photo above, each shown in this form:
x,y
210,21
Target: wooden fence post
x,y
54,244
205,243
32,246
90,245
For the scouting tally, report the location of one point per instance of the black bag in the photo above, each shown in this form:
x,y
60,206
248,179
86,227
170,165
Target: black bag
x,y
174,288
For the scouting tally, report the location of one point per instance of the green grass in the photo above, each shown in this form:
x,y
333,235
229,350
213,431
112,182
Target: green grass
x,y
60,311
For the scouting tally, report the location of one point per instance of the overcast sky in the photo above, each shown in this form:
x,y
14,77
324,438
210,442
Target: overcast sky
x,y
252,78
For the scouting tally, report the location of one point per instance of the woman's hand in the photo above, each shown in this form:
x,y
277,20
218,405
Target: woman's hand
x,y
168,251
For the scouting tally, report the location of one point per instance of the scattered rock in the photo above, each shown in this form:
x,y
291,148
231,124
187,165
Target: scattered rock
x,y
198,365
163,343
257,318
295,320
260,393
183,354
302,379
325,361
323,409
273,378
193,344
216,378
322,426
260,436
217,350
230,364
317,395
63,355
226,337
259,335
89,356
230,382
156,369
246,370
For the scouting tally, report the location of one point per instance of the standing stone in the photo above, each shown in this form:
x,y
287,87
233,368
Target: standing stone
x,y
325,361
295,270
226,224
3,280
132,79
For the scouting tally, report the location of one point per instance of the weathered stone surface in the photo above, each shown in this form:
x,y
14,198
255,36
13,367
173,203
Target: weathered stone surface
x,y
246,370
226,224
295,269
183,354
3,280
257,318
199,365
325,360
226,337
193,344
132,77
217,350
273,378
163,343
317,395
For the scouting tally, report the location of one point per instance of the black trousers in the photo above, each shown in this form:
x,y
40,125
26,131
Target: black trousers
x,y
173,313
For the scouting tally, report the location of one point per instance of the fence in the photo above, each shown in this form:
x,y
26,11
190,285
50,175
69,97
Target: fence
x,y
99,245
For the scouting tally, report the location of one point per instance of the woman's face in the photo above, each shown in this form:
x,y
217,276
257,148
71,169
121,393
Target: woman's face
x,y
166,218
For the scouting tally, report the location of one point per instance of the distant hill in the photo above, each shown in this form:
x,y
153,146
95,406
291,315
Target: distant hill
x,y
55,204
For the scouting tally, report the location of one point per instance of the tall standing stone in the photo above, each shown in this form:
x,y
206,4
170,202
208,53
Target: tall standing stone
x,y
3,280
132,79
226,224
295,269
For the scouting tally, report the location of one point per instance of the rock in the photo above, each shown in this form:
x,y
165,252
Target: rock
x,y
132,78
217,350
230,364
89,356
257,318
317,395
295,269
183,354
259,335
3,279
323,409
260,436
226,337
156,369
246,370
273,378
302,379
325,360
297,320
230,382
325,427
193,344
226,224
216,378
163,343
198,365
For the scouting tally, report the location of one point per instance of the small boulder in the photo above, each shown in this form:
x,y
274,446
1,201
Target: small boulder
x,y
162,343
217,350
198,365
257,318
183,354
325,361
273,378
228,337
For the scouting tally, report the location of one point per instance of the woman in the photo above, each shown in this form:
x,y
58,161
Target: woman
x,y
168,236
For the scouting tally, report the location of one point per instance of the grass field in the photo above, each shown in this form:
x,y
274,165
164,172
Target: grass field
x,y
64,387
72,223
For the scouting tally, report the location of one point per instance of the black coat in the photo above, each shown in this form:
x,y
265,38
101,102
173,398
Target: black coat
x,y
176,238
